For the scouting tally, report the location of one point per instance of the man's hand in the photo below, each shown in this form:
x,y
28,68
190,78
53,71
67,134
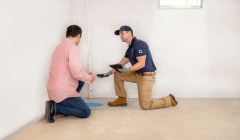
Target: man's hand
x,y
93,77
120,68
123,69
104,74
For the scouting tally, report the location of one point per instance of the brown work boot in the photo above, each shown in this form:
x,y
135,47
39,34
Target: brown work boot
x,y
120,101
173,100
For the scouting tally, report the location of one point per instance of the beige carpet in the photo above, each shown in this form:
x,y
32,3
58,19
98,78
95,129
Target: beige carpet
x,y
192,119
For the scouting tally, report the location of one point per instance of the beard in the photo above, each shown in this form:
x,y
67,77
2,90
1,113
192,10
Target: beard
x,y
123,40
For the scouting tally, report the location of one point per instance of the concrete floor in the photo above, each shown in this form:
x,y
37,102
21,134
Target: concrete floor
x,y
192,119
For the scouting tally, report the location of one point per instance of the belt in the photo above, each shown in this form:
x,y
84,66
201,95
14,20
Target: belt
x,y
147,74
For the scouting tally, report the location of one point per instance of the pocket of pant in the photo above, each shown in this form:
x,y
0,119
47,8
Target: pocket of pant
x,y
150,78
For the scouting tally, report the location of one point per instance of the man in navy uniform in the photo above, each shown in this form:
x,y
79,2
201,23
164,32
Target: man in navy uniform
x,y
142,72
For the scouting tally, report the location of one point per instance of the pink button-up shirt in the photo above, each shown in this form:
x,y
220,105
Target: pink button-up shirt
x,y
65,71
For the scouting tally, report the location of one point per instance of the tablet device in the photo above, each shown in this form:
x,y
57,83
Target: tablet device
x,y
116,66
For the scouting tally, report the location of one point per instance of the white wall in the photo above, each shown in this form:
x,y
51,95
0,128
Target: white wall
x,y
80,8
30,30
196,51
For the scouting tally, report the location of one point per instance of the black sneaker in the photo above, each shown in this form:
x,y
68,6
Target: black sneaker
x,y
49,111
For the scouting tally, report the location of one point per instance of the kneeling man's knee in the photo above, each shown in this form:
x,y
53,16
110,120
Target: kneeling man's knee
x,y
87,113
145,106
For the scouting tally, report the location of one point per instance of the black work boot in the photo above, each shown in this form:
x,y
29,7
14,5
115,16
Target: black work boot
x,y
50,111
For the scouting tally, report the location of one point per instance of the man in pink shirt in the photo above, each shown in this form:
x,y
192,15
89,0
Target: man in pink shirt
x,y
66,79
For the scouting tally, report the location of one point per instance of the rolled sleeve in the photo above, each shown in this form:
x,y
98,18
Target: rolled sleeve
x,y
140,50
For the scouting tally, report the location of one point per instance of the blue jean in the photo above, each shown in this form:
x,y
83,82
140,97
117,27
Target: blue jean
x,y
73,106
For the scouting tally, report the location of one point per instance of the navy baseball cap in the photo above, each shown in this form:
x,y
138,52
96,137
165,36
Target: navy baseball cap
x,y
123,28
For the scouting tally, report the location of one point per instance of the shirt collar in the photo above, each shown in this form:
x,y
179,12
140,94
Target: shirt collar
x,y
133,41
69,41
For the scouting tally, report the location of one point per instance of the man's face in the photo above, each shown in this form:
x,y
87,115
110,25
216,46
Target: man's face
x,y
78,37
124,35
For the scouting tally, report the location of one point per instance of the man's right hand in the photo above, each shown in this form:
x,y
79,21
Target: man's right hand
x,y
93,77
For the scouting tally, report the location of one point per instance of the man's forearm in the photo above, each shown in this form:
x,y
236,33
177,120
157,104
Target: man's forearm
x,y
136,66
124,61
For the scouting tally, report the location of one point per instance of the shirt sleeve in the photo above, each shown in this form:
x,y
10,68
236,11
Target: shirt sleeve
x,y
75,66
140,49
126,54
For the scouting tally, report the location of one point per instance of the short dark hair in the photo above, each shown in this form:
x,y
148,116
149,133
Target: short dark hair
x,y
73,31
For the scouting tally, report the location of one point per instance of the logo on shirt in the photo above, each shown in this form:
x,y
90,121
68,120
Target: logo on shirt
x,y
140,51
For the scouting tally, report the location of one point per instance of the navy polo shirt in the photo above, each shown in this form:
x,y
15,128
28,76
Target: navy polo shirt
x,y
140,48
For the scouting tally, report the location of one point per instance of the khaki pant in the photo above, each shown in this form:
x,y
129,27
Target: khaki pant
x,y
144,84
